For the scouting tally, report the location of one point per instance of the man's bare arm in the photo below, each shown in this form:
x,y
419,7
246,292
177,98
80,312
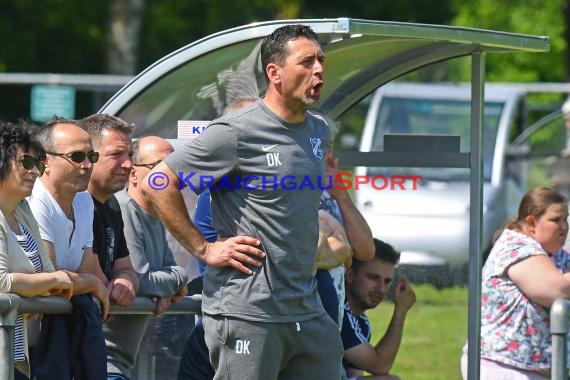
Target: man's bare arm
x,y
124,285
357,229
333,248
84,279
378,359
388,346
235,251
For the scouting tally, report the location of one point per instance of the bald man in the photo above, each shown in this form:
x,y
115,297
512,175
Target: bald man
x,y
160,278
64,210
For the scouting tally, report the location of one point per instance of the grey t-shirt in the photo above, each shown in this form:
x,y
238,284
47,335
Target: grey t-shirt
x,y
250,156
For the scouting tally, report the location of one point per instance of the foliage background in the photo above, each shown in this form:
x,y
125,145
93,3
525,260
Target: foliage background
x,y
435,332
66,36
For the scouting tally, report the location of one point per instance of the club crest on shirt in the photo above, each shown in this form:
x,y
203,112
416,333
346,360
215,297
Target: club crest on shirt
x,y
316,145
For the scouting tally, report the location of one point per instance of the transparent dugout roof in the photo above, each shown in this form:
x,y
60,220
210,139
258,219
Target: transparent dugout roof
x,y
198,80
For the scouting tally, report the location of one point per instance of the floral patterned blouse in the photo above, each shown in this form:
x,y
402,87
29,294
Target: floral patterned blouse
x,y
514,329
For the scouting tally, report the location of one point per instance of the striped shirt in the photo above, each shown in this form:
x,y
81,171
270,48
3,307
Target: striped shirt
x,y
330,205
31,249
355,331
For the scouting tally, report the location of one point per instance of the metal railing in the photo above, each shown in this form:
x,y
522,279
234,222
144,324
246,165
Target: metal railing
x,y
87,82
11,305
559,331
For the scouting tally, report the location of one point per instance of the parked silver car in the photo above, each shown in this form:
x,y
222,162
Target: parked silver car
x,y
430,224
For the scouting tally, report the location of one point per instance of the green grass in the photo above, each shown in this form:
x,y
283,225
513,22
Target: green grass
x,y
434,333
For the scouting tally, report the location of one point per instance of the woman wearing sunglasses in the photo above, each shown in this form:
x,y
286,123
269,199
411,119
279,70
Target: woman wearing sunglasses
x,y
25,268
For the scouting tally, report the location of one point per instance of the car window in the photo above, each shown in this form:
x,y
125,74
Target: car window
x,y
399,115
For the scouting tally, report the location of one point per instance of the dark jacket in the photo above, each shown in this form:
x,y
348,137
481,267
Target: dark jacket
x,y
71,346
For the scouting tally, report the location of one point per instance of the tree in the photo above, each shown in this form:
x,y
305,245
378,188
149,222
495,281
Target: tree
x,y
534,17
123,35
567,38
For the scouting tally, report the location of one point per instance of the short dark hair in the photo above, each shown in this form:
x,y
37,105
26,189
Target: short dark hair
x,y
45,132
274,46
96,124
12,137
136,150
383,252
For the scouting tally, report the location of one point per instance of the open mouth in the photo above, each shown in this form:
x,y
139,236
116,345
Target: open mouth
x,y
316,90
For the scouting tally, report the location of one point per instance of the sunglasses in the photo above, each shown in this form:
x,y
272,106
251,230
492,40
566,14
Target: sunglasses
x,y
79,156
28,162
149,166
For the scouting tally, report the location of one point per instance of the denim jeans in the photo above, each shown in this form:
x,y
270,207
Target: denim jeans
x,y
116,376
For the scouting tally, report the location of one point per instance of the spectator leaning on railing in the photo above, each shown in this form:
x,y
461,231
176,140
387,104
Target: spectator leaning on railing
x,y
160,278
519,284
64,211
62,207
111,137
25,267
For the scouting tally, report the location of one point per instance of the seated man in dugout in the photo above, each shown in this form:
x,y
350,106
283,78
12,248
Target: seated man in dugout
x,y
366,285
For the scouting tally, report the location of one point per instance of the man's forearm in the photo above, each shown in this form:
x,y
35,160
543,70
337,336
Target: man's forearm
x,y
131,276
171,209
176,219
84,283
388,346
356,228
333,252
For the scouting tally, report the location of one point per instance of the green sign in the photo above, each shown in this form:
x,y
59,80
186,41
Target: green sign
x,y
50,100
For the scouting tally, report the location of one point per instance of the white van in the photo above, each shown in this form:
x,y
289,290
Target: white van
x,y
430,225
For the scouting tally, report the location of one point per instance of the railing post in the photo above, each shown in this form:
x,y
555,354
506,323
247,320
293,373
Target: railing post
x,y
475,214
8,315
559,330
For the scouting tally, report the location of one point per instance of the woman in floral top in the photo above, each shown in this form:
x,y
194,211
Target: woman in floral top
x,y
520,283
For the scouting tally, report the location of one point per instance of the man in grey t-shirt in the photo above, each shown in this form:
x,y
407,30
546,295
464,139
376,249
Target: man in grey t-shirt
x,y
266,163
